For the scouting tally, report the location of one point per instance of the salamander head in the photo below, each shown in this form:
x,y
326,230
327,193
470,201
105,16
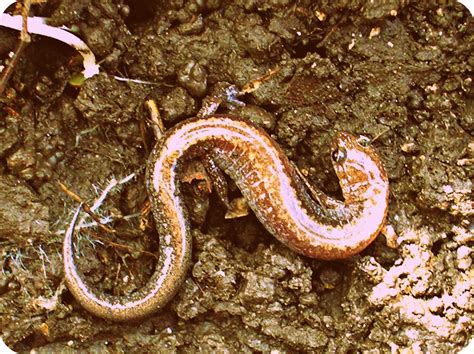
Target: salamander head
x,y
358,167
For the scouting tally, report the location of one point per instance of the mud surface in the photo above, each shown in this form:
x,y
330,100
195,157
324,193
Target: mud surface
x,y
399,72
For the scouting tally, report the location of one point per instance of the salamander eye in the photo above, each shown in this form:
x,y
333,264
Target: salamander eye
x,y
363,141
339,155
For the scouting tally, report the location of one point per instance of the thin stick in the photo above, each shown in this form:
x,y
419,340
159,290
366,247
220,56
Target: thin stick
x,y
24,40
86,207
155,117
119,245
255,84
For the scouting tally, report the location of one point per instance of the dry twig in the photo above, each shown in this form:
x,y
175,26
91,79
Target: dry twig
x,y
15,55
86,207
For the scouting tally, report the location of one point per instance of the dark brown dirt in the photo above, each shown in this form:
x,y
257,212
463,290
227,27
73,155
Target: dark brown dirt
x,y
397,71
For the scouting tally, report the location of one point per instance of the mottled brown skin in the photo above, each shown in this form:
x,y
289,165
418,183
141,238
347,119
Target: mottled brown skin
x,y
274,191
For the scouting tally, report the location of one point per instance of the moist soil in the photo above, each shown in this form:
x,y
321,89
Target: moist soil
x,y
398,72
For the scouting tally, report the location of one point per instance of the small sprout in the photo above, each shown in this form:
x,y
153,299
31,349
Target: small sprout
x,y
76,80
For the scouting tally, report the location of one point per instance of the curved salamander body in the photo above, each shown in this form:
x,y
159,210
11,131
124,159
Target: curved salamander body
x,y
274,191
